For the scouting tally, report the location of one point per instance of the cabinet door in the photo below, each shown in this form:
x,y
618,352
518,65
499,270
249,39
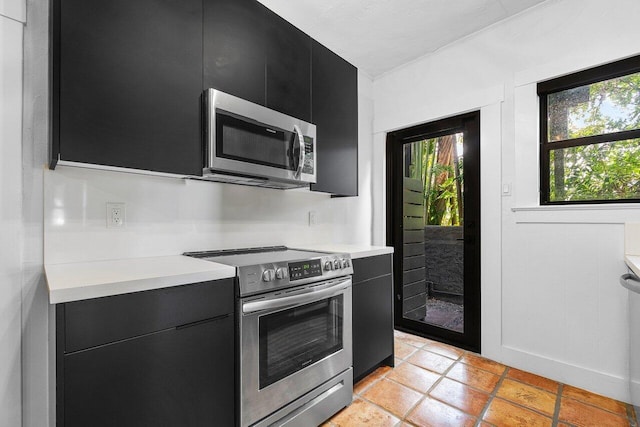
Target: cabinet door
x,y
334,94
235,48
177,377
288,68
130,81
372,324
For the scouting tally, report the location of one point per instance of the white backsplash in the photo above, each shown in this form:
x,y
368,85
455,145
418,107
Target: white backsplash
x,y
166,216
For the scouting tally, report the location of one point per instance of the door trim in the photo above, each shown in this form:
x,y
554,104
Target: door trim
x,y
470,124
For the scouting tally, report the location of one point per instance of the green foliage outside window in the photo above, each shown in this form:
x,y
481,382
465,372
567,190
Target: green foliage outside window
x,y
597,171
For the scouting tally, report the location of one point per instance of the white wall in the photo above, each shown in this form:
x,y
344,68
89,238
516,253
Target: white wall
x,y
551,302
11,33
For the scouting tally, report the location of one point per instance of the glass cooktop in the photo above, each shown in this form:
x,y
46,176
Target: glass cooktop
x,y
255,256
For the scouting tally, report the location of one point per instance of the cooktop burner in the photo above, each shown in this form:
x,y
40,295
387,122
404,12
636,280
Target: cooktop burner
x,y
276,267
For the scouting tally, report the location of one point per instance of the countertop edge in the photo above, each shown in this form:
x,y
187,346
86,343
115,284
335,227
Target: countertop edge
x,y
356,251
104,288
633,262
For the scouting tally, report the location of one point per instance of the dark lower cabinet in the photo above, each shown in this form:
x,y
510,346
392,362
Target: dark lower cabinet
x,y
372,314
127,81
159,376
334,101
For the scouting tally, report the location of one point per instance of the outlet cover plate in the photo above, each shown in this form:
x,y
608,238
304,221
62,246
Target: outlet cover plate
x,y
116,215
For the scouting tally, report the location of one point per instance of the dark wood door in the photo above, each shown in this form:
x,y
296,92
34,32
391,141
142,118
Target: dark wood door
x,y
334,96
176,377
288,68
235,48
433,213
127,84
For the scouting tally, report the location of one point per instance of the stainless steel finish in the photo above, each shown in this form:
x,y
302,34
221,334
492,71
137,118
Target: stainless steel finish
x,y
268,275
249,276
218,168
282,273
256,403
300,296
316,407
298,132
631,282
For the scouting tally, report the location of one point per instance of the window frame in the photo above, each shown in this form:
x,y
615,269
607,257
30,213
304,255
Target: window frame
x,y
545,88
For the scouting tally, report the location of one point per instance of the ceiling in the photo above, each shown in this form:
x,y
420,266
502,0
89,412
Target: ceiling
x,y
380,35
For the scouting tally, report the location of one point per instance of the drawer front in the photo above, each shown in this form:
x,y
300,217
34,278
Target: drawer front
x,y
94,322
368,268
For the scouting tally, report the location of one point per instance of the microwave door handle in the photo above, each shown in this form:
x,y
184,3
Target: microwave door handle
x,y
298,132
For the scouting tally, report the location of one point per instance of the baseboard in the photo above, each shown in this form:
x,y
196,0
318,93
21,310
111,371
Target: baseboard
x,y
602,383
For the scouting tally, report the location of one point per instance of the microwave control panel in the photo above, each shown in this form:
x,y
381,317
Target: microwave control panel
x,y
307,167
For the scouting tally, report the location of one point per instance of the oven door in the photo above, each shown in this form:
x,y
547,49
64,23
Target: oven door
x,y
292,342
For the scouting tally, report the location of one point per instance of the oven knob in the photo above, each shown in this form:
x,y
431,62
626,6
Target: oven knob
x,y
282,273
345,263
268,275
336,264
328,266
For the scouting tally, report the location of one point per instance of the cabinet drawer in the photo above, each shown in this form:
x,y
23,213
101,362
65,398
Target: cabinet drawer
x,y
368,268
90,323
178,377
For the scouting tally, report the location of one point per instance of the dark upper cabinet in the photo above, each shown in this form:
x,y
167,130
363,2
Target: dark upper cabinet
x,y
235,48
127,81
288,76
128,77
252,53
334,95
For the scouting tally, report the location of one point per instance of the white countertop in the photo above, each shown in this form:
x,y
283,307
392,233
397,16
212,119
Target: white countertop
x,y
85,280
633,261
356,251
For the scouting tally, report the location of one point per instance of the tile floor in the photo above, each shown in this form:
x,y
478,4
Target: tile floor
x,y
434,384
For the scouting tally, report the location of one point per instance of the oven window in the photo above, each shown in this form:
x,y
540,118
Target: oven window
x,y
297,337
250,141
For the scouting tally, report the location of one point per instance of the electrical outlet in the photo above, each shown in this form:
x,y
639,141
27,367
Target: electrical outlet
x,y
116,215
313,217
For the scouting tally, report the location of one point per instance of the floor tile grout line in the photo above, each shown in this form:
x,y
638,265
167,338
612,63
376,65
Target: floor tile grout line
x,y
433,386
492,395
556,410
602,408
555,418
630,415
386,411
520,405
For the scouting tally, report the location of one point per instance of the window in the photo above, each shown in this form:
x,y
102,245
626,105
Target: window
x,y
590,135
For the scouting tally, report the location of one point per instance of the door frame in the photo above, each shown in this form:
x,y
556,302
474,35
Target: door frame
x,y
469,123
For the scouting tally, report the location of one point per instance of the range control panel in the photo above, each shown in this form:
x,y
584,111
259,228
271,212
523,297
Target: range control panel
x,y
305,269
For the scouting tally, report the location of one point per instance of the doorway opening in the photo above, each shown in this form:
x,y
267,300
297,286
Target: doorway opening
x,y
433,223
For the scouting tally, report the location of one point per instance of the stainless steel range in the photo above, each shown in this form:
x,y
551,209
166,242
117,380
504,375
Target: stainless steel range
x,y
294,319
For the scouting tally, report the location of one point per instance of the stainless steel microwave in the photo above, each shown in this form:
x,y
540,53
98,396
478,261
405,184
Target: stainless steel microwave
x,y
246,143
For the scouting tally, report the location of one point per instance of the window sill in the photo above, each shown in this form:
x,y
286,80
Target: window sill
x,y
578,214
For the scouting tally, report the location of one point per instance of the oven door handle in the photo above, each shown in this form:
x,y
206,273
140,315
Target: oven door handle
x,y
282,302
